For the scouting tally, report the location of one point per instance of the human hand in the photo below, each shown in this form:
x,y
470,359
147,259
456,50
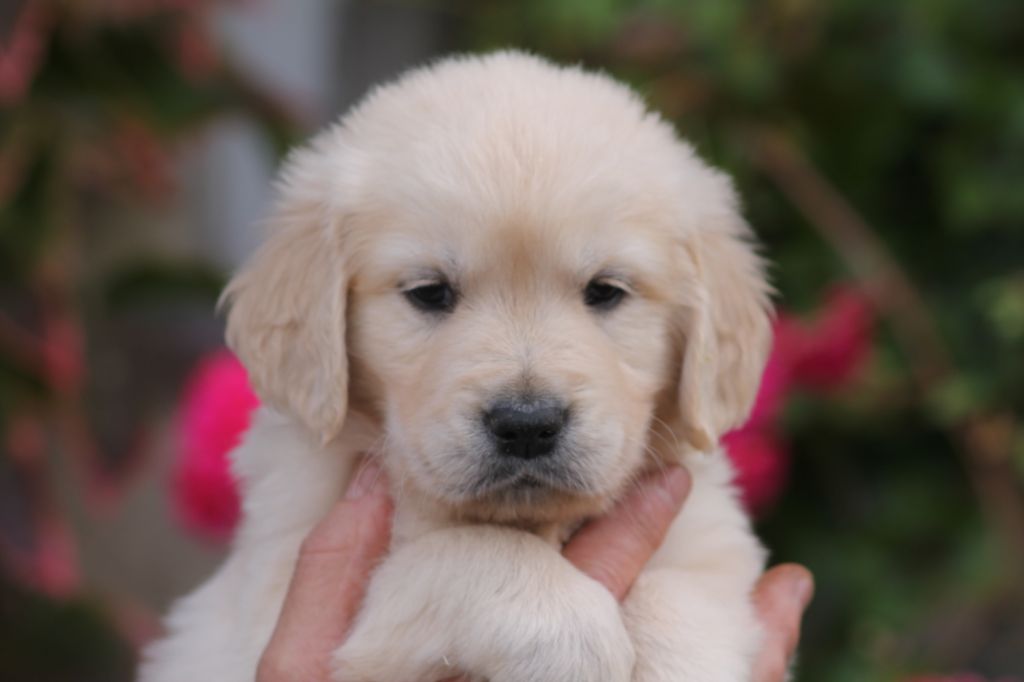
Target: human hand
x,y
331,574
337,560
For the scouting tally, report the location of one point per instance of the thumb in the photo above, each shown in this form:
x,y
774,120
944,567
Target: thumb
x,y
781,596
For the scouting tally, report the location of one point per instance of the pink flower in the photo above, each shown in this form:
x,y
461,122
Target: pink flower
x,y
758,453
836,345
821,355
777,378
215,412
21,56
761,460
144,158
56,559
63,354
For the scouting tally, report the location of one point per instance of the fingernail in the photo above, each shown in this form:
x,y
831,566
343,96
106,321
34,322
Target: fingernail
x,y
369,479
673,485
802,589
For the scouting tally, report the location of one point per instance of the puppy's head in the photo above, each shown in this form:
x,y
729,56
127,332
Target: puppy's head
x,y
519,271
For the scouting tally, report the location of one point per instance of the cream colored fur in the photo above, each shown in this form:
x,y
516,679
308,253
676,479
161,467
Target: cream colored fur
x,y
518,181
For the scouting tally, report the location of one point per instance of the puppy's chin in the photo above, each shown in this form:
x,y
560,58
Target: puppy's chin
x,y
530,503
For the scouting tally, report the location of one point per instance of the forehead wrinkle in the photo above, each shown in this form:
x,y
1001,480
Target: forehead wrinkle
x,y
388,254
530,250
546,259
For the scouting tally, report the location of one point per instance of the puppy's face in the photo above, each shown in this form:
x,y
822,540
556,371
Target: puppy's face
x,y
517,358
516,284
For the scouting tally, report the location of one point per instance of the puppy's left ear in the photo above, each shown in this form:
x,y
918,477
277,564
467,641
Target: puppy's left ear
x,y
727,331
287,305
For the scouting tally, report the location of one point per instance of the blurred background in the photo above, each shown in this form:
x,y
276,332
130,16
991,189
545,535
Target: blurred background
x,y
879,148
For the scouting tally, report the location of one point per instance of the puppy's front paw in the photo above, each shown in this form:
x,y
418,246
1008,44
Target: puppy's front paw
x,y
573,633
517,612
399,641
686,628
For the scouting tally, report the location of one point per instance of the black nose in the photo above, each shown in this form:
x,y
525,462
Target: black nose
x,y
526,429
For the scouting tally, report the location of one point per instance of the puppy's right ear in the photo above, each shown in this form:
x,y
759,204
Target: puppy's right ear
x,y
286,319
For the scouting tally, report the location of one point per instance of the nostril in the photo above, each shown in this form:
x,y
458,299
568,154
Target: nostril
x,y
505,433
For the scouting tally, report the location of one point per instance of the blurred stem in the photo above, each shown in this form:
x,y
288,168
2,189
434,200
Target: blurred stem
x,y
49,559
876,271
54,287
985,438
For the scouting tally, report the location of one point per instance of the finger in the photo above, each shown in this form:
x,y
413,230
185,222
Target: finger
x,y
330,577
781,596
614,548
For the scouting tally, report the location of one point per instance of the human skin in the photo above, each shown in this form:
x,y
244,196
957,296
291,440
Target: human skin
x,y
338,557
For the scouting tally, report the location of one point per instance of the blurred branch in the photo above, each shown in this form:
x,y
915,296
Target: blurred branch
x,y
19,342
864,253
63,333
959,629
985,438
49,560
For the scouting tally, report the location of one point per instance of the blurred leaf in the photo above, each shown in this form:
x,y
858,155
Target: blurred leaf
x,y
150,281
589,20
58,641
1003,300
927,76
27,222
956,398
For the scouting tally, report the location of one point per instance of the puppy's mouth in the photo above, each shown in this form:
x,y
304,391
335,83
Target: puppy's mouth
x,y
526,492
527,478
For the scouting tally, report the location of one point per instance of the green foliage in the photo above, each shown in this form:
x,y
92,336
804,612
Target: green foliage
x,y
28,222
105,92
151,281
48,640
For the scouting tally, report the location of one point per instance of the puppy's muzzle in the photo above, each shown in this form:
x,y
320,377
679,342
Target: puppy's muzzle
x,y
526,427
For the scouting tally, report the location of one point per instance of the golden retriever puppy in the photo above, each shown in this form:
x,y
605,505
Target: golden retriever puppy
x,y
518,289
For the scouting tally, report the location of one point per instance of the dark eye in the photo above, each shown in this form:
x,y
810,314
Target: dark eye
x,y
433,298
603,295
